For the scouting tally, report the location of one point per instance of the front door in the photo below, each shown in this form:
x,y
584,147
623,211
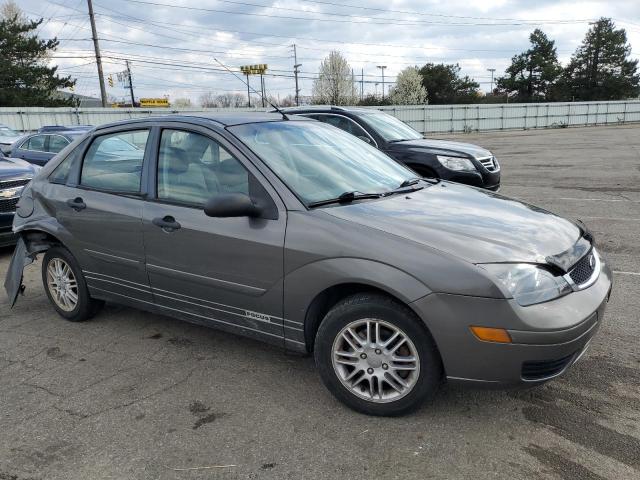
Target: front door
x,y
100,211
227,272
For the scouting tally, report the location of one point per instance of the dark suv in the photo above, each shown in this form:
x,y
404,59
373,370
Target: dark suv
x,y
455,161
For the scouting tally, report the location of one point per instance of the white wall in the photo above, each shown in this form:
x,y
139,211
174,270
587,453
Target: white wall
x,y
424,118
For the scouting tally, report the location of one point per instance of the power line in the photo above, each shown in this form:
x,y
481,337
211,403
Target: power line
x,y
338,20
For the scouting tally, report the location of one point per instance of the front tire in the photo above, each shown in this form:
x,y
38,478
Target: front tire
x,y
376,356
66,287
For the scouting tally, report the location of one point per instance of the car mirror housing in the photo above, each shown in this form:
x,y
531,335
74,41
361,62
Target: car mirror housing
x,y
231,205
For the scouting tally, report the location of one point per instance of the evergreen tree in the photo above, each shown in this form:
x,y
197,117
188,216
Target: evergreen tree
x,y
25,78
600,69
533,74
445,85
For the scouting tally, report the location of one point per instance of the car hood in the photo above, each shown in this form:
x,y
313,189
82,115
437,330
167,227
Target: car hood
x,y
10,140
469,223
444,146
10,167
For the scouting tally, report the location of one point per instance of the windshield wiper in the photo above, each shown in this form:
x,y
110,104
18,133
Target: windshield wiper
x,y
410,181
346,197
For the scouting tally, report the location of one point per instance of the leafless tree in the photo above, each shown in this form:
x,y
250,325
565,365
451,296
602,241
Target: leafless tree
x,y
334,84
207,100
181,103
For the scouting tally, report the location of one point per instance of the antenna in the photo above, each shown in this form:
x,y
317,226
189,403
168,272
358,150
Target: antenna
x,y
284,115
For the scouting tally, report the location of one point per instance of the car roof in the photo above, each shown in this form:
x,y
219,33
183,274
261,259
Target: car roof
x,y
222,119
327,108
63,128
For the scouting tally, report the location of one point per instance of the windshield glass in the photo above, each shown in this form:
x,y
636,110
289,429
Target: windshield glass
x,y
390,128
319,162
7,132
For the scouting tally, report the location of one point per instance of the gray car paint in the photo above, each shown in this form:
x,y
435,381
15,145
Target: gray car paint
x,y
240,274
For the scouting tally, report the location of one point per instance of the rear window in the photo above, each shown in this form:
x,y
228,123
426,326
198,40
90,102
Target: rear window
x,y
114,162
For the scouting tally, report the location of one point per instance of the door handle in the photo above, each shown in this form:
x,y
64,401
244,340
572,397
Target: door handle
x,y
77,204
167,223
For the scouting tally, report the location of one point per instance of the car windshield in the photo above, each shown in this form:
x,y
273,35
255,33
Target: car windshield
x,y
115,144
7,132
319,162
390,128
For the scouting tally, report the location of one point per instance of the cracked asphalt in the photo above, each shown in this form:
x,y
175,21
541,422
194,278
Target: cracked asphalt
x,y
131,395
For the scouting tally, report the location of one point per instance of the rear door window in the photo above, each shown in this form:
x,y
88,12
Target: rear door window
x,y
35,143
57,143
113,162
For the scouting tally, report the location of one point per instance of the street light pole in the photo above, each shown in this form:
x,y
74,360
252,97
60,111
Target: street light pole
x,y
492,70
382,67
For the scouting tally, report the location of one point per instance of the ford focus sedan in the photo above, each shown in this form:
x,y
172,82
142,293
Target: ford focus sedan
x,y
293,232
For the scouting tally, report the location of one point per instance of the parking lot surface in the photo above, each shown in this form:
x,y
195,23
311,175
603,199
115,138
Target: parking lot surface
x,y
131,395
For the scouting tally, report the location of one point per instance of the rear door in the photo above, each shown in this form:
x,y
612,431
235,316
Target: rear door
x,y
33,150
227,272
99,205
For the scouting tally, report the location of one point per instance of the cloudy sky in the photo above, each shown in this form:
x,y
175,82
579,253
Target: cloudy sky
x,y
171,43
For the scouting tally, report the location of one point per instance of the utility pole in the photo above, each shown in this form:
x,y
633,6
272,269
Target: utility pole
x,y
361,84
96,46
492,70
296,66
133,100
353,85
262,88
382,67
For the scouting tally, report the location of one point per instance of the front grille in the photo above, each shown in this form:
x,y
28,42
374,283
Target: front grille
x,y
583,270
539,369
8,205
490,163
13,183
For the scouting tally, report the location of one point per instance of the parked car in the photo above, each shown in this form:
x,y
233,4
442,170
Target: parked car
x,y
62,128
455,161
298,234
39,148
8,137
14,175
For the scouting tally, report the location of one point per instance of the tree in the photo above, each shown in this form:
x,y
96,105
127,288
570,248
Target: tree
x,y
334,84
600,69
10,9
25,78
372,100
181,103
408,89
444,84
533,74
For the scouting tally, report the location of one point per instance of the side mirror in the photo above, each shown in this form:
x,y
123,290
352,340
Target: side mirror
x,y
231,205
364,138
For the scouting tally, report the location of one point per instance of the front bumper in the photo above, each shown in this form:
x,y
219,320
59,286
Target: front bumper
x,y
547,338
7,237
484,179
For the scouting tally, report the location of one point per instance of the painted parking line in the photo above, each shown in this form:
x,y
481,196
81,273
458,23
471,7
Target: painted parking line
x,y
621,272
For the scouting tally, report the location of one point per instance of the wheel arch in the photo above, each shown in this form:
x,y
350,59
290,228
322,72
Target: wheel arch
x,y
312,290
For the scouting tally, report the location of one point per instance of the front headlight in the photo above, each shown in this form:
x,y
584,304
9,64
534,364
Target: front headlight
x,y
529,284
456,163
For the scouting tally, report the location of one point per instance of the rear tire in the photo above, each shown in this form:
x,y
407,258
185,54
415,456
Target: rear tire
x,y
66,287
391,370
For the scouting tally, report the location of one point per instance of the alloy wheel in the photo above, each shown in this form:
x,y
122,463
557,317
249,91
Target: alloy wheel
x,y
375,360
62,284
